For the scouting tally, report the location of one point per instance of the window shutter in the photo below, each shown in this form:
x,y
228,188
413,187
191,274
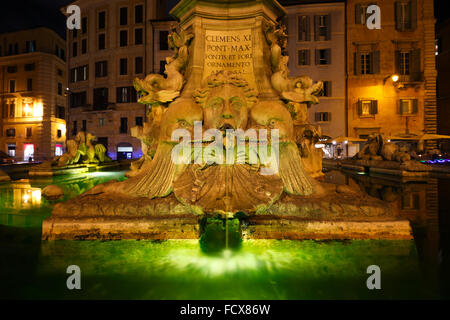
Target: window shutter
x,y
415,65
316,28
308,57
329,91
317,56
328,24
329,116
317,117
308,29
300,28
397,62
374,107
328,55
360,107
415,106
358,14
398,16
375,62
118,95
357,63
413,17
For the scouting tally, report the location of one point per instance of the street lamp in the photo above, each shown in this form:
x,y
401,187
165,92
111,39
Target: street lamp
x,y
393,77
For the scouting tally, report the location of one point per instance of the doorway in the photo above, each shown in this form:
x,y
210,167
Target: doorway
x,y
28,153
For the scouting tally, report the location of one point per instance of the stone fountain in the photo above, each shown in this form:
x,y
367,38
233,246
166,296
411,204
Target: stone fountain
x,y
228,74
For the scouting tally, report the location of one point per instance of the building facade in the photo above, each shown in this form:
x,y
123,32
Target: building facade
x,y
32,99
316,47
405,47
443,61
115,45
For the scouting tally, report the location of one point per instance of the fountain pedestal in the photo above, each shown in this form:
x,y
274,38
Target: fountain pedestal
x,y
227,73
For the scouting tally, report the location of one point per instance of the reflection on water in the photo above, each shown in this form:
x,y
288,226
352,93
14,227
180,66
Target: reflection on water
x,y
21,203
260,270
425,203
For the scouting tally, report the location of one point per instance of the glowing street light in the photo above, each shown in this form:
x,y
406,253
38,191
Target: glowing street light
x,y
394,78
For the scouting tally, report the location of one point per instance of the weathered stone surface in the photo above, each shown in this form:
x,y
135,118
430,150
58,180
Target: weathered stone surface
x,y
347,214
52,192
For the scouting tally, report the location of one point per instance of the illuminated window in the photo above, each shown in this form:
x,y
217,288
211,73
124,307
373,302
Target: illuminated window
x,y
367,108
12,150
408,106
58,150
27,110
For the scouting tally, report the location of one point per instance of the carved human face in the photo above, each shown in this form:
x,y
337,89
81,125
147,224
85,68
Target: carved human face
x,y
180,115
273,115
225,108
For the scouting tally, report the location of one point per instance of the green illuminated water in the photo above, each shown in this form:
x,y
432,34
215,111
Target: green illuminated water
x,y
261,269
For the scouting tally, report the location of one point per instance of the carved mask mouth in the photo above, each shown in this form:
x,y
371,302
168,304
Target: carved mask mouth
x,y
226,126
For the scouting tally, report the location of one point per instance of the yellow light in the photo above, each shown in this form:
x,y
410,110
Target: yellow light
x,y
27,109
395,78
38,109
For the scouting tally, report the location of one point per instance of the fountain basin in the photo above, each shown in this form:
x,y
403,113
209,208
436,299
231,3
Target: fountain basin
x,y
340,214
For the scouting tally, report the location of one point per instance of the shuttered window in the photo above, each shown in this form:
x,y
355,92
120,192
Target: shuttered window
x,y
409,106
304,32
323,56
367,62
367,108
304,57
326,92
322,28
323,116
406,15
408,63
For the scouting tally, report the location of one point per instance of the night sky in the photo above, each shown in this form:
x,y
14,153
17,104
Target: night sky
x,y
25,14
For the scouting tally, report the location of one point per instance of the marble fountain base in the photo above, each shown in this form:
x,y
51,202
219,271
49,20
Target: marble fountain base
x,y
342,213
